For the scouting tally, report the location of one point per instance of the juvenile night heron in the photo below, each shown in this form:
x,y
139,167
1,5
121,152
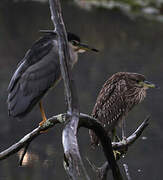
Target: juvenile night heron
x,y
120,93
38,72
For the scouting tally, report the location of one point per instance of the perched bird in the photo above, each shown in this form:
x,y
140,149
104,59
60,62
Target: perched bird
x,y
120,93
38,72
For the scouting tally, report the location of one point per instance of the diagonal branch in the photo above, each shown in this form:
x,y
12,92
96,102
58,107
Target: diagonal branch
x,y
27,139
122,148
23,154
133,137
105,142
127,171
88,122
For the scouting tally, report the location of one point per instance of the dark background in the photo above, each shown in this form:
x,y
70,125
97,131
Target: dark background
x,y
125,44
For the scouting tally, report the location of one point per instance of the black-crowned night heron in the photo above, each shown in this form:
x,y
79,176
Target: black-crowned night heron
x,y
120,93
38,72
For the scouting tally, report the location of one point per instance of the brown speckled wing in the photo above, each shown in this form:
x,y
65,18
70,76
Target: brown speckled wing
x,y
109,107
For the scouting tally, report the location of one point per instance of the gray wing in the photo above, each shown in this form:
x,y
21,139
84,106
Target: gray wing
x,y
109,107
32,80
39,49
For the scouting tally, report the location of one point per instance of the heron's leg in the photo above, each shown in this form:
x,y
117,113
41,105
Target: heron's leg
x,y
123,129
115,137
42,114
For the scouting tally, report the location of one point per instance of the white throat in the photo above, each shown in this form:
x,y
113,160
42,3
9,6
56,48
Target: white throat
x,y
73,55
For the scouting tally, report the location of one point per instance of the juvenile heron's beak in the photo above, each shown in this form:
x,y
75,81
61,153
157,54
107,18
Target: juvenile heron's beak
x,y
84,47
148,84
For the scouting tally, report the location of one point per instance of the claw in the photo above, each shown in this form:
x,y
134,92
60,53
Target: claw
x,y
116,154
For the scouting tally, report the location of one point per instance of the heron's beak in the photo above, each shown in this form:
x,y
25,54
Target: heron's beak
x,y
148,84
85,47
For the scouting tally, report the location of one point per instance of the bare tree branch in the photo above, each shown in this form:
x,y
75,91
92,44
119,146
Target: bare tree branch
x,y
63,50
122,148
131,139
75,167
31,136
23,154
102,171
105,142
61,118
127,171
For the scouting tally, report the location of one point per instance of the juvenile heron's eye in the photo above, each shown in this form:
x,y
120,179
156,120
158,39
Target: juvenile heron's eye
x,y
135,80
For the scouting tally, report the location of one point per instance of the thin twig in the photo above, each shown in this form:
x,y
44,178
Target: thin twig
x,y
127,171
132,138
63,50
100,171
23,154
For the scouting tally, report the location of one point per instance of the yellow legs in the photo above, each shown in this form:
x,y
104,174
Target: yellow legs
x,y
115,138
42,114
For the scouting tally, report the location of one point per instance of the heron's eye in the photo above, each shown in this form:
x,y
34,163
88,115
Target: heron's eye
x,y
135,80
74,43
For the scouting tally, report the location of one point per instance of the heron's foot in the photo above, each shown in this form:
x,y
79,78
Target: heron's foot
x,y
117,154
44,119
125,148
42,123
116,138
124,140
